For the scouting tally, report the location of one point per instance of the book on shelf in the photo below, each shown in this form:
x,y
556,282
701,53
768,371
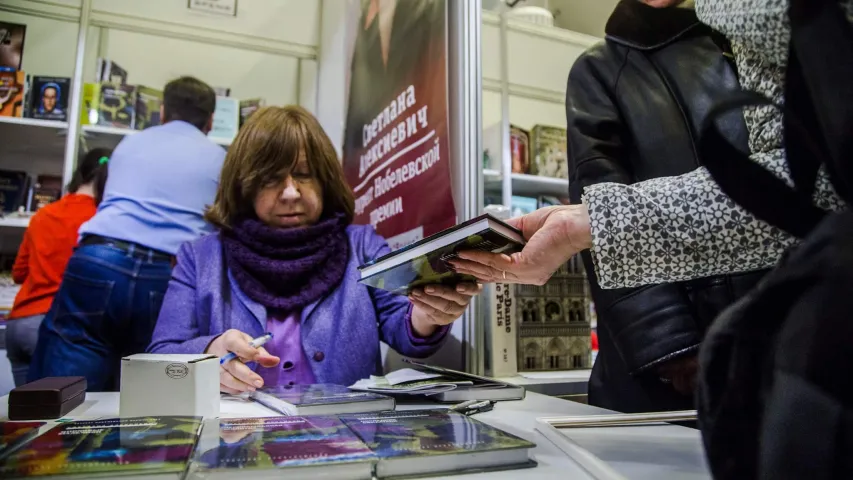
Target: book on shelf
x,y
501,331
425,262
110,72
320,399
15,434
249,106
147,447
12,36
280,447
550,152
226,118
519,148
117,106
49,98
13,86
47,189
148,103
436,442
14,186
523,205
549,201
90,104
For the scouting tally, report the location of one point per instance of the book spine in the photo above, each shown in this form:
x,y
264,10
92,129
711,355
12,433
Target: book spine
x,y
502,331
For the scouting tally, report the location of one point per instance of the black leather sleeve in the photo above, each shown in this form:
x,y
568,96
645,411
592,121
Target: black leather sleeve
x,y
649,324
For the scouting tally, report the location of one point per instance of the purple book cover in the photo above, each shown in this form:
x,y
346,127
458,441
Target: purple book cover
x,y
275,442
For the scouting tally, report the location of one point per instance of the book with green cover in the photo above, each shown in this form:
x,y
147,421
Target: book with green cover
x,y
426,262
15,434
150,447
320,399
280,447
422,442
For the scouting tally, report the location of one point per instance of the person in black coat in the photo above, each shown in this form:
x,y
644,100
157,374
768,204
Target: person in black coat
x,y
635,105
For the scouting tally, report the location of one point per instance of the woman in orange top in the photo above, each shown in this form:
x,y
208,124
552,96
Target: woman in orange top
x,y
48,243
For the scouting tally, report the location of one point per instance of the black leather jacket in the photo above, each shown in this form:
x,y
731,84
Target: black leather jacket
x,y
635,104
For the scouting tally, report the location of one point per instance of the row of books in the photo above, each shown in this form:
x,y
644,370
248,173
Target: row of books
x,y
540,151
21,191
358,446
41,97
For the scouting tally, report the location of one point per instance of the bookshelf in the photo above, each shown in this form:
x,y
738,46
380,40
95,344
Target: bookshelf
x,y
110,136
527,185
15,221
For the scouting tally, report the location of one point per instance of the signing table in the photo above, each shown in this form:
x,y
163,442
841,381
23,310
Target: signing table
x,y
635,452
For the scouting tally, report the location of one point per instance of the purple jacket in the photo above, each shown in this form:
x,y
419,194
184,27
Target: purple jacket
x,y
340,332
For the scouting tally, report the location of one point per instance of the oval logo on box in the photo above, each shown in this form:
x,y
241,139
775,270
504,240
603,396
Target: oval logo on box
x,y
177,370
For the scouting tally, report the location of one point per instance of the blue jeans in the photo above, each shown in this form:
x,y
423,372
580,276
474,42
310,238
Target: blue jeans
x,y
105,309
21,337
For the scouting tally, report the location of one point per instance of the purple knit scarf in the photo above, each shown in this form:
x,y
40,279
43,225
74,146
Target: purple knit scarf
x,y
287,268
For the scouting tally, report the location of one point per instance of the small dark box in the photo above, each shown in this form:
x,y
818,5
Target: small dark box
x,y
46,399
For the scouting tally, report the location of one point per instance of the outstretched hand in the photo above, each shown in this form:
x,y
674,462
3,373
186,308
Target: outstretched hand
x,y
234,376
553,234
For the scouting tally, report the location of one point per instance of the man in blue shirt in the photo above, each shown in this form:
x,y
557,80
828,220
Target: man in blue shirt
x,y
160,182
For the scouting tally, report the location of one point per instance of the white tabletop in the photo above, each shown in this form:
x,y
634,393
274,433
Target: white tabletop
x,y
637,452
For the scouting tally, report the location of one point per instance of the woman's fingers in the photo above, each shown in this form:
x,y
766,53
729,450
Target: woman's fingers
x,y
265,359
233,384
246,378
238,342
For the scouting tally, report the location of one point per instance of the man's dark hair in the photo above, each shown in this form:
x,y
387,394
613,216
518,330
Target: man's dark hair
x,y
188,99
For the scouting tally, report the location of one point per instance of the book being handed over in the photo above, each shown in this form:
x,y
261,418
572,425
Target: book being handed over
x,y
426,262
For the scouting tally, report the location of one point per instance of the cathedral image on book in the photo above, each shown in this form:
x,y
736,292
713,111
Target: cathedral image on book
x,y
553,322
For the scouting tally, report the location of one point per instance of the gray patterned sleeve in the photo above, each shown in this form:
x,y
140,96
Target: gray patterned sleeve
x,y
677,228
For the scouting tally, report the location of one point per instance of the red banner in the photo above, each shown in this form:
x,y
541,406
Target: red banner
x,y
396,148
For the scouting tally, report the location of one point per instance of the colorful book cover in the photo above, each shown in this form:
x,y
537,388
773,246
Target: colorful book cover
x,y
419,433
550,152
117,107
49,98
12,37
91,99
48,189
113,447
226,118
14,434
148,102
12,93
433,268
277,442
13,189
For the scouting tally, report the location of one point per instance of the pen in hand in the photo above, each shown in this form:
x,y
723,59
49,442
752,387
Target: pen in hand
x,y
255,343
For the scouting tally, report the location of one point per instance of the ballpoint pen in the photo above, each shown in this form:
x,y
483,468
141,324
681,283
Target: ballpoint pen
x,y
254,344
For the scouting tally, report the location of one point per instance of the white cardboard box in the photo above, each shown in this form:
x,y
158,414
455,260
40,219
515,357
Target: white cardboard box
x,y
159,385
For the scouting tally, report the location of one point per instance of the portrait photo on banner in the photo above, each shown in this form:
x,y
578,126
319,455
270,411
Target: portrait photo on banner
x,y
396,145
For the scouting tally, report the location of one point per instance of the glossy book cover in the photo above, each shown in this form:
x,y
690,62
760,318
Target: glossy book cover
x,y
113,447
429,433
433,269
13,434
316,394
275,442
